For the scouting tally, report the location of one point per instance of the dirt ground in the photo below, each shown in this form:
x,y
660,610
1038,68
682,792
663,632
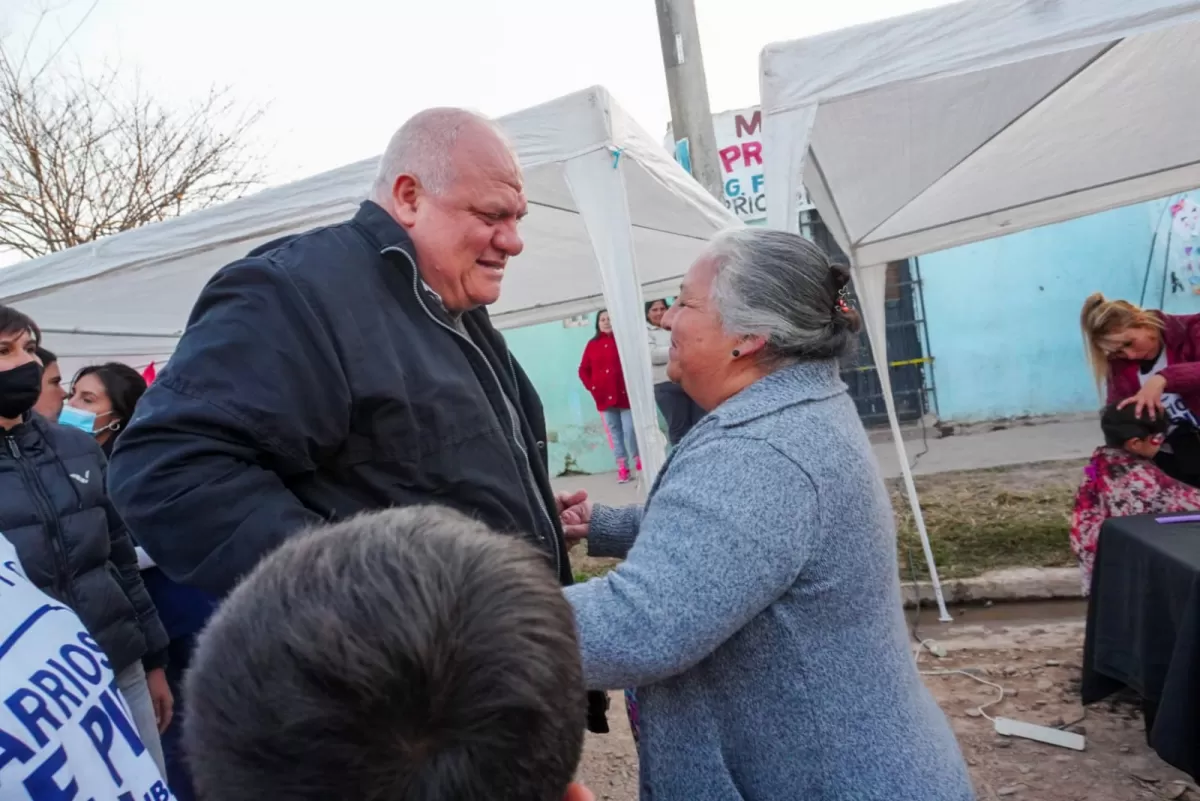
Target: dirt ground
x,y
1038,666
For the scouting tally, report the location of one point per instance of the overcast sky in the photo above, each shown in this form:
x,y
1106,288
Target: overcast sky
x,y
337,80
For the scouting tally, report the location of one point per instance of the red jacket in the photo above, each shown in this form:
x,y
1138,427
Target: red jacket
x,y
1181,337
600,372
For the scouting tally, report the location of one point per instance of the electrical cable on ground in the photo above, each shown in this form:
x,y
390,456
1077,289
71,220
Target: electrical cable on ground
x,y
928,645
970,675
924,444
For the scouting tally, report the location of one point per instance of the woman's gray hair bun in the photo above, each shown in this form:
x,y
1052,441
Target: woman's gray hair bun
x,y
781,286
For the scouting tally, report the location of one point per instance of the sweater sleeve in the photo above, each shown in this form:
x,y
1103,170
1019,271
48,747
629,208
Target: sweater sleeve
x,y
724,536
1185,376
613,530
1122,382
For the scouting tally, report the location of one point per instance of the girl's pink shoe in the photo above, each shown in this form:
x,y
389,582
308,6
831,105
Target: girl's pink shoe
x,y
623,476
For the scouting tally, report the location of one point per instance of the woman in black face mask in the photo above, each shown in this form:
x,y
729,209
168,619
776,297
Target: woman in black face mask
x,y
55,510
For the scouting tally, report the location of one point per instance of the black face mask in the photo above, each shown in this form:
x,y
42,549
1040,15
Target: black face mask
x,y
20,388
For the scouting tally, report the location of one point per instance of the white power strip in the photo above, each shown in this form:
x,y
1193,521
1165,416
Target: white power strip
x,y
1042,734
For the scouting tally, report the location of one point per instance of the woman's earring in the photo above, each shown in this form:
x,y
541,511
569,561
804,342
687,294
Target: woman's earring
x,y
736,353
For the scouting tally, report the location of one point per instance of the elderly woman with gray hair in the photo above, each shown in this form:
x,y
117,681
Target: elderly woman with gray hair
x,y
758,611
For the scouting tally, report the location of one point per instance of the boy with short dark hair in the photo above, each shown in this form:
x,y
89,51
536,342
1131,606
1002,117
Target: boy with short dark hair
x,y
1122,480
409,654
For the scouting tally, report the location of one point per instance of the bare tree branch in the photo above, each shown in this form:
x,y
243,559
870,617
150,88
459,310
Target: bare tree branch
x,y
81,159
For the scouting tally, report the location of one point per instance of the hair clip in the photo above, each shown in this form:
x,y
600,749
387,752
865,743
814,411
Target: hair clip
x,y
840,304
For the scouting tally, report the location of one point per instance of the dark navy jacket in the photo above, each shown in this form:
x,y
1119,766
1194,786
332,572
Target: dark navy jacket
x,y
318,378
183,610
72,543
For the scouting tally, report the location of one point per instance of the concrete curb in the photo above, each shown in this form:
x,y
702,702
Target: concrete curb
x,y
1016,584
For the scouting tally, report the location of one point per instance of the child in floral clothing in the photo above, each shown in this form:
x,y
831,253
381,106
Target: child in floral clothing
x,y
1123,481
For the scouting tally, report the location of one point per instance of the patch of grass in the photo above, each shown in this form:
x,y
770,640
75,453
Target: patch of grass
x,y
589,567
978,520
982,520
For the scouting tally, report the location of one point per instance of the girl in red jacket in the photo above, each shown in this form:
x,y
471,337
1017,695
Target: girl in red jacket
x,y
600,372
1150,360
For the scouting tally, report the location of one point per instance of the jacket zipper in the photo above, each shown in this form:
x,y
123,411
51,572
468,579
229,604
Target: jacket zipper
x,y
531,489
49,520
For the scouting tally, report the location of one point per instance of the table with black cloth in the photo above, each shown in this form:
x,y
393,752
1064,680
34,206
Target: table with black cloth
x,y
1143,630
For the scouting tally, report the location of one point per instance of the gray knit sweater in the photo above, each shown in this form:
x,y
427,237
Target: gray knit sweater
x,y
759,615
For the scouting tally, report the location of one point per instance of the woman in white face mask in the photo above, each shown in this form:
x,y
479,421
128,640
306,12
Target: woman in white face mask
x,y
102,400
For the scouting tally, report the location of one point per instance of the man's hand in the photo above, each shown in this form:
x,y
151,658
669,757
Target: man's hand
x,y
160,695
565,500
575,513
1149,398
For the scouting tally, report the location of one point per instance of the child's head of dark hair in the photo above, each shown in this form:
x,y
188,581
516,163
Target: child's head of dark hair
x,y
411,653
1124,428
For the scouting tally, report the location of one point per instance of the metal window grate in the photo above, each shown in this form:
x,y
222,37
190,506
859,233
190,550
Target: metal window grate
x,y
907,340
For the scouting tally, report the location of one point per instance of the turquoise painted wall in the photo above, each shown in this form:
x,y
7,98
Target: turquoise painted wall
x,y
550,354
1003,318
1003,314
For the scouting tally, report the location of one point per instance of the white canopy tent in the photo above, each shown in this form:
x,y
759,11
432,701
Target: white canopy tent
x,y
974,120
610,215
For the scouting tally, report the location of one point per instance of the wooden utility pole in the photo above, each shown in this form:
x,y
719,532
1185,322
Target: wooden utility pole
x,y
691,115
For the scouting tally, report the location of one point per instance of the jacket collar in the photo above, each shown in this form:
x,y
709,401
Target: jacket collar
x,y
796,383
30,433
389,235
382,230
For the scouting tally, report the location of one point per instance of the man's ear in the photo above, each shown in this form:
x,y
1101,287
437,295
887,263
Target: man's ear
x,y
406,195
577,792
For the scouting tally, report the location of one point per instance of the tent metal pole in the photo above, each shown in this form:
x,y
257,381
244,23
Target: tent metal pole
x,y
113,332
915,504
597,184
870,282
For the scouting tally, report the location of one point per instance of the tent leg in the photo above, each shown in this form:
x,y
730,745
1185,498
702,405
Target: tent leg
x,y
597,184
915,504
869,281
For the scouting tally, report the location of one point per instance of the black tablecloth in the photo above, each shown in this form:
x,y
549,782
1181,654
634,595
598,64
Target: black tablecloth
x,y
1143,630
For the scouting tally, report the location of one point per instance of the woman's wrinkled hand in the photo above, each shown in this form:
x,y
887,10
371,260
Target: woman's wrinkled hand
x,y
1148,399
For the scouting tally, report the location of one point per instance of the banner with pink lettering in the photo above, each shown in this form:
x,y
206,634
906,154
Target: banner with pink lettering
x,y
740,153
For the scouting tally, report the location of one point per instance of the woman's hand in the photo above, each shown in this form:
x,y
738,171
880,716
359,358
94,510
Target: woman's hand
x,y
1149,398
160,695
575,513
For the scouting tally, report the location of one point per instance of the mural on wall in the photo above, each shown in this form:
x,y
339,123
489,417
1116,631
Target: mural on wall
x,y
1185,219
1172,274
1171,279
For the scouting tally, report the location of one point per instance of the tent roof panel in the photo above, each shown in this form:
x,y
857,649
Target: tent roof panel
x,y
1120,119
961,37
152,275
929,127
